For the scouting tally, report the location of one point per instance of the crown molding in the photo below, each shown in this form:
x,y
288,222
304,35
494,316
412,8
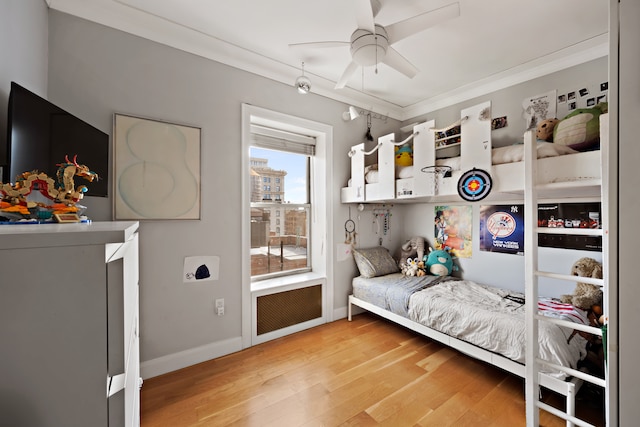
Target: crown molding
x,y
119,15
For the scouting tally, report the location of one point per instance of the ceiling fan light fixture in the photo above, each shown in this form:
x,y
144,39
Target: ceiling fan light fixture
x,y
303,84
369,48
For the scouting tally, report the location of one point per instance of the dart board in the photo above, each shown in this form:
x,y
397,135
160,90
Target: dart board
x,y
474,185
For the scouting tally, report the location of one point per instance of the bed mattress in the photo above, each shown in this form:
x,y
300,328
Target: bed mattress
x,y
392,291
486,316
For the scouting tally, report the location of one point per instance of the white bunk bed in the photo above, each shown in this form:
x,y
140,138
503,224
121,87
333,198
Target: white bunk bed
x,y
559,166
538,176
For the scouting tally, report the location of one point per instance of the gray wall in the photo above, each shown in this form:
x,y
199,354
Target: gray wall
x,y
418,219
23,49
508,101
95,71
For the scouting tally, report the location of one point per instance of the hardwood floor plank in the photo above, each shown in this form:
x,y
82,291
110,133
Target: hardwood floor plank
x,y
368,372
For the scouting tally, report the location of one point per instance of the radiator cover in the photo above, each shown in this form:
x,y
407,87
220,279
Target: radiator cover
x,y
283,309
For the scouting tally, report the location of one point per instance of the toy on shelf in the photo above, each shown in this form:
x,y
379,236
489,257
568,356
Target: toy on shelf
x,y
35,195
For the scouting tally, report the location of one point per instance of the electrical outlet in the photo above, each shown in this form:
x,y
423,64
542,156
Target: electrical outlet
x,y
220,306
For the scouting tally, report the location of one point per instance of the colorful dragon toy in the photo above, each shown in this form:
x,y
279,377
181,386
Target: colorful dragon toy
x,y
62,193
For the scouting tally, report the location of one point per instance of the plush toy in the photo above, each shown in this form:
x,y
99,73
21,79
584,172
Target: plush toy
x,y
411,267
545,128
580,129
422,269
439,263
585,296
404,155
411,249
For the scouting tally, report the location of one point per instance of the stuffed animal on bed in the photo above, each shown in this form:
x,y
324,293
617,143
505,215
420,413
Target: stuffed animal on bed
x,y
580,129
422,269
439,263
411,267
411,249
544,131
585,295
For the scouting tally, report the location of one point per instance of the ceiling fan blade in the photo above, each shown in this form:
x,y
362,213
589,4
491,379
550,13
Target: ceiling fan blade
x,y
320,45
348,72
364,15
396,61
411,26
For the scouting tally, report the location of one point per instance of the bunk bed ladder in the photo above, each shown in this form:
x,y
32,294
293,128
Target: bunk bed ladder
x,y
533,380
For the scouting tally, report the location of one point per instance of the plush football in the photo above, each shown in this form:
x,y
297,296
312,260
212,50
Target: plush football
x,y
580,129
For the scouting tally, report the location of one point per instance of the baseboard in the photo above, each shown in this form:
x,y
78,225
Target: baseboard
x,y
173,362
340,313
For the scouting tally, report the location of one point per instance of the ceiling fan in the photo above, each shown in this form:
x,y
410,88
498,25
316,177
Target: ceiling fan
x,y
371,43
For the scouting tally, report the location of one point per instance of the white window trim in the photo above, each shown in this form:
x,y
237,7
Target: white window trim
x,y
322,250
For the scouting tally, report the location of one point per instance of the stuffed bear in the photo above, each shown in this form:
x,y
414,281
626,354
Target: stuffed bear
x,y
544,131
585,295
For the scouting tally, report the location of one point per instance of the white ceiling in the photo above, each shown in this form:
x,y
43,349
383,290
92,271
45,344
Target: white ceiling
x,y
492,44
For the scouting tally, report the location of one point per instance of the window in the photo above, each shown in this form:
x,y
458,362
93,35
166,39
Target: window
x,y
286,160
319,220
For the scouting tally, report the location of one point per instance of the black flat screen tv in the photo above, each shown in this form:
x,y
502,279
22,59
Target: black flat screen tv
x,y
40,135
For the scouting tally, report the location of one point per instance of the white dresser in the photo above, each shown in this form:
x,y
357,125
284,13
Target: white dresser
x,y
69,345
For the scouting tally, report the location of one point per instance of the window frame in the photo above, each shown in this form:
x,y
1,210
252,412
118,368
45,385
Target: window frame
x,y
322,218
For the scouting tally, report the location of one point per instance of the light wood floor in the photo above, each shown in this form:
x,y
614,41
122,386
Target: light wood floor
x,y
367,372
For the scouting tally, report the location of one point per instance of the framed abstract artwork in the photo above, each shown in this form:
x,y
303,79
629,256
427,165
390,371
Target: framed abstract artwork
x,y
156,169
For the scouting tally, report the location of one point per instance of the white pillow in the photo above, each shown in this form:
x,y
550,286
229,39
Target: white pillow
x,y
404,172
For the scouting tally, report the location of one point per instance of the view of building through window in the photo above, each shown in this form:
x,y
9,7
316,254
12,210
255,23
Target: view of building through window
x,y
280,208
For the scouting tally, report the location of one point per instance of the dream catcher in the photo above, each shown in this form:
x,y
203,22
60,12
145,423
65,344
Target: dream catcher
x,y
350,231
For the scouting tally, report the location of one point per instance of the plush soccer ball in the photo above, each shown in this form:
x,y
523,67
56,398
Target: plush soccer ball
x,y
544,132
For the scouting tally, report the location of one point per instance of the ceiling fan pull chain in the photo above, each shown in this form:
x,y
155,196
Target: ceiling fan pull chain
x,y
376,54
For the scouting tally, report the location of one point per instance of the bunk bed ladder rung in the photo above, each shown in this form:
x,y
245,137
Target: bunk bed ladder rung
x,y
570,325
567,277
563,415
575,373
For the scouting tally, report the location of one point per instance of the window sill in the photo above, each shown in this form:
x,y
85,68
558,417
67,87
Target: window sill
x,y
285,283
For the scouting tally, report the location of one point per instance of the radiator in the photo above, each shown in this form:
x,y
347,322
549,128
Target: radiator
x,y
283,309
